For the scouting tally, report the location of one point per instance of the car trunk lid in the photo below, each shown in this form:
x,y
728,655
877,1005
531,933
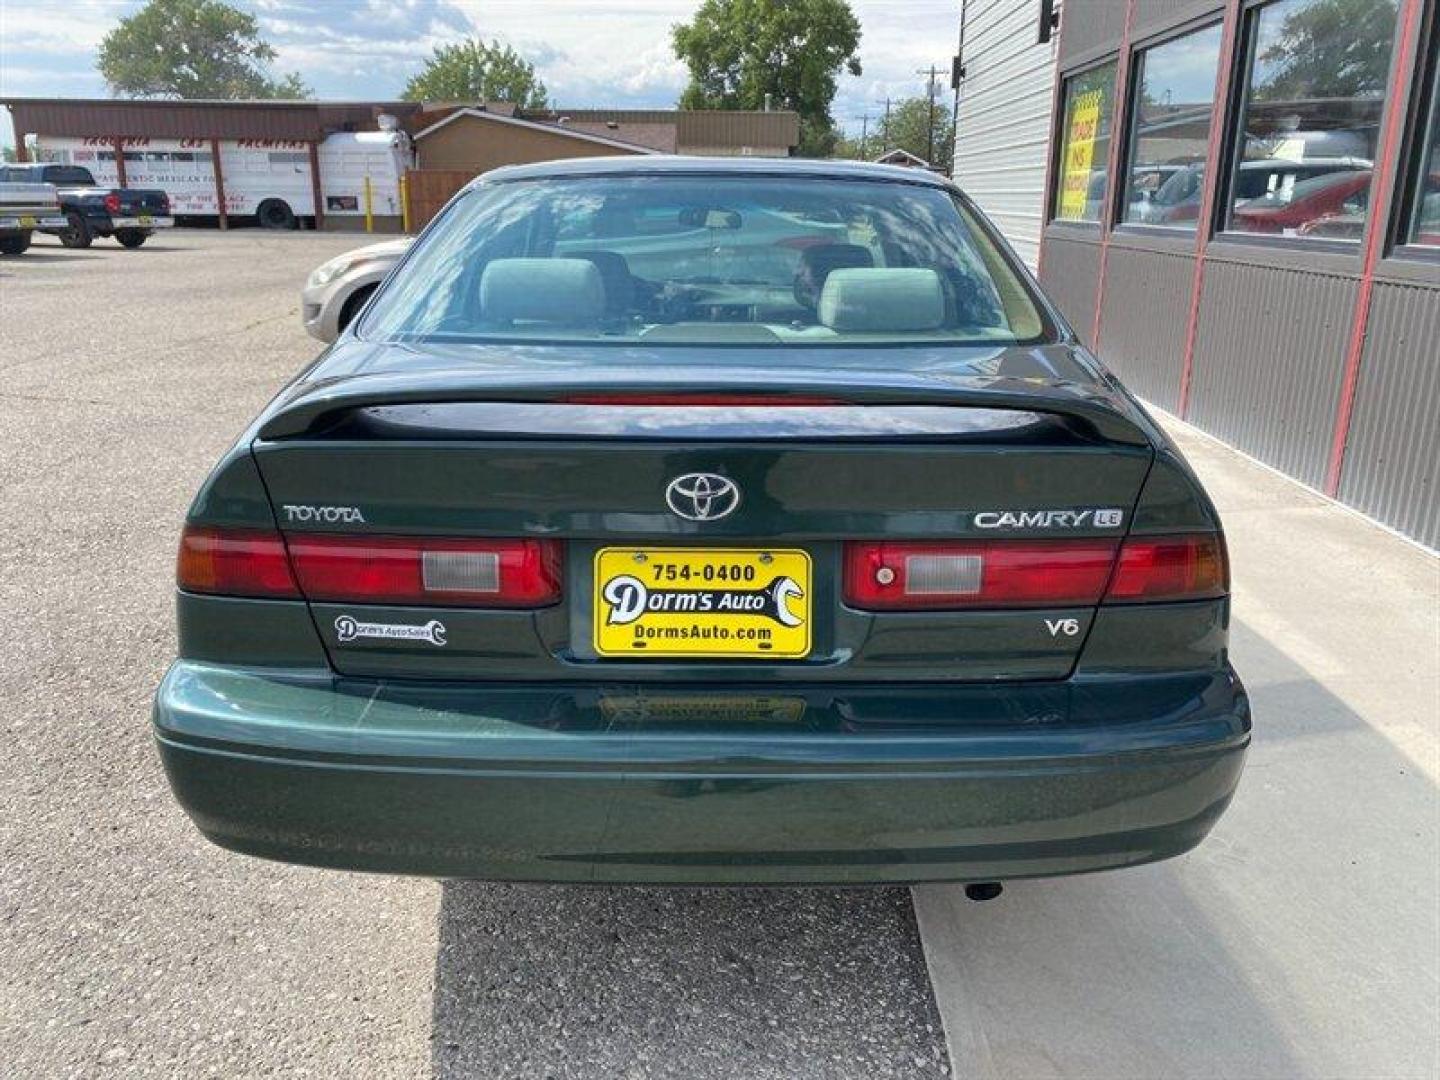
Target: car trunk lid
x,y
587,464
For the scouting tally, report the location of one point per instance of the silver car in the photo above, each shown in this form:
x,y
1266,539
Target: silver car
x,y
337,290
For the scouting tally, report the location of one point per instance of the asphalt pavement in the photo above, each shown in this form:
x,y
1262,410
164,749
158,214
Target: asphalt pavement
x,y
129,946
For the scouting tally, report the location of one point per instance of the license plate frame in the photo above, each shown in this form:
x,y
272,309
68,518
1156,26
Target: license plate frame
x,y
660,602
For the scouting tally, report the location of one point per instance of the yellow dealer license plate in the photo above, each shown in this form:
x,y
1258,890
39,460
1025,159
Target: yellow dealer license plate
x,y
146,219
28,222
702,602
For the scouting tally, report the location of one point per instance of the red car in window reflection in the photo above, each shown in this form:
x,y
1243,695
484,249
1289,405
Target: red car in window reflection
x,y
1351,224
1289,210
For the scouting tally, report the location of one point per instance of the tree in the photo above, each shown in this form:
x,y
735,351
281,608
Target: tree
x,y
740,52
474,71
192,49
1329,49
912,123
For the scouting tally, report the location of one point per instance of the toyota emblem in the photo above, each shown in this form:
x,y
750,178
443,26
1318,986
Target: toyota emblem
x,y
702,496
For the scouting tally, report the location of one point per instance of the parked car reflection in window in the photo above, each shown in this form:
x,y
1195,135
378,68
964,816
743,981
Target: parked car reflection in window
x,y
1173,104
1314,91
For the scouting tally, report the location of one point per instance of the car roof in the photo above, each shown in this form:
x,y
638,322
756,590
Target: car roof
x,y
680,165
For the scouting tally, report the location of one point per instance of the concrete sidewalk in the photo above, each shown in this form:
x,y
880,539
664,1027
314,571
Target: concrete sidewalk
x,y
1302,939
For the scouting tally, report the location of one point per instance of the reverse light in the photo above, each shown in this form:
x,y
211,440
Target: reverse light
x,y
425,571
1153,568
234,562
886,576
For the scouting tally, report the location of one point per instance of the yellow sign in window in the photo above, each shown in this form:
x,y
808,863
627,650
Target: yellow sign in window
x,y
1081,131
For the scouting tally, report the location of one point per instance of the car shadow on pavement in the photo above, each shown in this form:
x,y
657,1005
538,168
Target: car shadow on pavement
x,y
56,256
587,981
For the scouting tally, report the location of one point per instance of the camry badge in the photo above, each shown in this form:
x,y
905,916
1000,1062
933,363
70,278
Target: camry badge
x,y
702,496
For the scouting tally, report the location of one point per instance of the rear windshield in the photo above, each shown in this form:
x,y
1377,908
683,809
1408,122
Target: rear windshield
x,y
705,259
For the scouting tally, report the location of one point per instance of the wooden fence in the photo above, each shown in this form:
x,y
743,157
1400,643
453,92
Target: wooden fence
x,y
427,190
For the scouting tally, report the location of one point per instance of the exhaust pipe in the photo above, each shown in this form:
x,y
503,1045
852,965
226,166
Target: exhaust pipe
x,y
981,891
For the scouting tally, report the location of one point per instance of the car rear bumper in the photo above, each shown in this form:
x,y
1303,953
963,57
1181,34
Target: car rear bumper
x,y
702,785
149,222
21,222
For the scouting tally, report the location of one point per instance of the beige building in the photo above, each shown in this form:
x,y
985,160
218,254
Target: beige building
x,y
475,140
484,136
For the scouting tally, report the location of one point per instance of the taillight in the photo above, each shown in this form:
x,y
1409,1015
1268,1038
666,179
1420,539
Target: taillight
x,y
897,577
419,570
234,562
112,203
1170,568
164,204
887,576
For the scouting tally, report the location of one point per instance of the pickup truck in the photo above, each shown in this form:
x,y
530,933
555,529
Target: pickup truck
x,y
23,209
130,215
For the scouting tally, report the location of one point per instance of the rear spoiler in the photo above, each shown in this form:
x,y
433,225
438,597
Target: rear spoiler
x,y
311,407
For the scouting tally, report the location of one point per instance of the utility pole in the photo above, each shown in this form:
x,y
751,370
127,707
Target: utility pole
x,y
885,126
932,71
864,119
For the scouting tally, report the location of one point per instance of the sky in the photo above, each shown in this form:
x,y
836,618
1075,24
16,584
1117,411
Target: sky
x,y
589,52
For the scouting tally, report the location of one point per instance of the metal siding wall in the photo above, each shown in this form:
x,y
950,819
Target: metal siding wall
x,y
1269,356
1071,271
1157,15
1004,120
1271,341
1091,26
1143,321
1393,453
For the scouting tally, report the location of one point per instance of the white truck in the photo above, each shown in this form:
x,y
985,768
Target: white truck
x,y
23,209
268,179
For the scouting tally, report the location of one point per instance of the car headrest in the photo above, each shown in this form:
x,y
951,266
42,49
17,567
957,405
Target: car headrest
x,y
818,262
566,291
886,298
615,276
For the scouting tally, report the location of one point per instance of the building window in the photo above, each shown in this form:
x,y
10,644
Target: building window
x,y
1085,144
1315,87
1175,92
1425,210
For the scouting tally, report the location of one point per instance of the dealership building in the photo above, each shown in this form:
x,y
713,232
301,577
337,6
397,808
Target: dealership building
x,y
1236,203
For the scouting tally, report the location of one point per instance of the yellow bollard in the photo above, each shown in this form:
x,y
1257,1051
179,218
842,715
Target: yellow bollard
x,y
369,215
405,204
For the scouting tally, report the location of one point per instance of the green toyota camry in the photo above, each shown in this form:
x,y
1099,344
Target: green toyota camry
x,y
697,521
